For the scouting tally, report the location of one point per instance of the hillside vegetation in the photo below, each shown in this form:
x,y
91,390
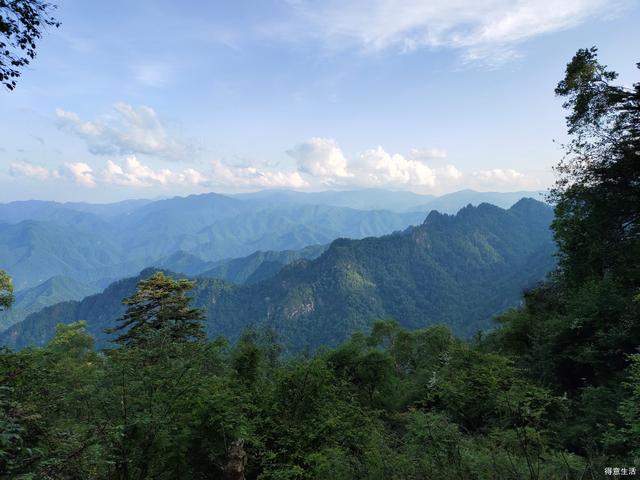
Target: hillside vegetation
x,y
52,291
100,243
551,394
457,270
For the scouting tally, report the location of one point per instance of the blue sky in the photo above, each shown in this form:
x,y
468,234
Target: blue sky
x,y
133,99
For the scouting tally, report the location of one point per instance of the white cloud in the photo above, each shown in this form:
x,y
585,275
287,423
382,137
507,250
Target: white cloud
x,y
79,172
322,162
480,29
503,178
193,177
133,173
449,172
425,154
499,175
128,130
25,169
320,158
376,167
248,177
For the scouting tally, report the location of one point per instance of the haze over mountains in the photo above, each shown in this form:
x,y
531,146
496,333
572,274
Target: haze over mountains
x,y
396,201
96,244
459,270
56,289
44,239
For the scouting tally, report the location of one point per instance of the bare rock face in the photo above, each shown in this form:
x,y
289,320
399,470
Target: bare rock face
x,y
237,461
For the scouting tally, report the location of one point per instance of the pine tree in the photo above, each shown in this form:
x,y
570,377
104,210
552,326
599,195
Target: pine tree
x,y
160,306
6,290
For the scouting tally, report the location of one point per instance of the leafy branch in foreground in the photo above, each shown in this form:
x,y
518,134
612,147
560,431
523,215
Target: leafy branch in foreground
x,y
22,23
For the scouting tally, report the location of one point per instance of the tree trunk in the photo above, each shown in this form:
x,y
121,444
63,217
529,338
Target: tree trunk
x,y
237,460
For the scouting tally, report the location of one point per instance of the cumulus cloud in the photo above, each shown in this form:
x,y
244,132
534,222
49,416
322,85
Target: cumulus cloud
x,y
25,169
450,172
426,154
322,161
377,167
480,29
319,162
253,177
321,158
79,172
133,173
504,178
127,130
498,175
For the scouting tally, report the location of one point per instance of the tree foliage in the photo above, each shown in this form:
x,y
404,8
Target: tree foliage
x,y
6,291
159,307
22,24
598,190
552,393
578,333
393,404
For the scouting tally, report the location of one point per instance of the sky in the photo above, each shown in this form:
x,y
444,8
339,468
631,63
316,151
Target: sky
x,y
153,98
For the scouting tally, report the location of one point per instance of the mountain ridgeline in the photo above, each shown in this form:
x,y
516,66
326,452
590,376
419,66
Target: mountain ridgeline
x,y
39,240
339,362
56,289
459,270
99,243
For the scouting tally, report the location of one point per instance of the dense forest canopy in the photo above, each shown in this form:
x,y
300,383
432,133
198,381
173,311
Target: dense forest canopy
x,y
459,270
550,394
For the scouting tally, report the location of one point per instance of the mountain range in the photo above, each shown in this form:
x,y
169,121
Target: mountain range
x,y
56,289
395,201
455,269
98,243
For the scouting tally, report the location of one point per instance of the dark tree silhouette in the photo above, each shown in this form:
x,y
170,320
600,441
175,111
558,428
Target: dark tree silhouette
x,y
22,23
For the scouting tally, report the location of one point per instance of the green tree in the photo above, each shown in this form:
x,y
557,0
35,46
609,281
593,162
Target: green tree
x,y
576,332
160,306
22,23
628,436
6,290
597,194
53,412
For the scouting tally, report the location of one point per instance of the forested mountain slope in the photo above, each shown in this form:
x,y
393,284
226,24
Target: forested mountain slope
x,y
459,270
39,240
259,265
33,251
55,290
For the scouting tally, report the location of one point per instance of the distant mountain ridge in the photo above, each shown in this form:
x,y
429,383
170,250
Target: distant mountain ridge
x,y
55,290
252,268
452,202
395,201
32,251
39,240
260,265
98,243
459,270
